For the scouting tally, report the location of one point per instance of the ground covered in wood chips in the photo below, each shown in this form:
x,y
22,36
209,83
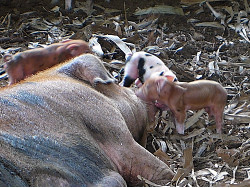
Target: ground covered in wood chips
x,y
196,39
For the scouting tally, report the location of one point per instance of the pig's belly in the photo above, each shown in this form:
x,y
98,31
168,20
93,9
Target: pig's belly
x,y
78,164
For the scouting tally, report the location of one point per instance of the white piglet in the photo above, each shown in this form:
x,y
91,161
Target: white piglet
x,y
142,66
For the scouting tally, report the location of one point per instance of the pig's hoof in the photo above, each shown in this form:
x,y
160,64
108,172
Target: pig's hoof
x,y
101,81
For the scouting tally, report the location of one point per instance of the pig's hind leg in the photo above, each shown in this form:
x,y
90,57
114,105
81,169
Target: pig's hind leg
x,y
217,113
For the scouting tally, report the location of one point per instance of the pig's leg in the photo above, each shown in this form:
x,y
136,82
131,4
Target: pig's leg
x,y
16,74
130,74
138,161
130,158
138,82
218,115
102,76
68,4
208,110
180,117
98,80
13,68
96,75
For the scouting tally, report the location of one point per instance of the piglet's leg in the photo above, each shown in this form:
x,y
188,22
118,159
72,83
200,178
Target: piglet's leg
x,y
130,74
218,115
16,73
68,4
180,117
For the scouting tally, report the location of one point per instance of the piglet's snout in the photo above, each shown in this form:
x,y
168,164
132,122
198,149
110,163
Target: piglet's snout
x,y
171,78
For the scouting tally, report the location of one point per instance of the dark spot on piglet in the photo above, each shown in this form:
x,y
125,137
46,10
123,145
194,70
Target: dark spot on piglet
x,y
161,74
141,69
128,81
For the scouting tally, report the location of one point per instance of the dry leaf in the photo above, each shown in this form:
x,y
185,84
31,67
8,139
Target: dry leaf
x,y
192,120
188,166
162,156
230,156
160,9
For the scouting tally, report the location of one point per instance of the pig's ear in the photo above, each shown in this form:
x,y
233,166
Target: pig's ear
x,y
160,84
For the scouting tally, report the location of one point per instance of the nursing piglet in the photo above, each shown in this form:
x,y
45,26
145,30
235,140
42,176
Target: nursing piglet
x,y
142,66
29,62
180,97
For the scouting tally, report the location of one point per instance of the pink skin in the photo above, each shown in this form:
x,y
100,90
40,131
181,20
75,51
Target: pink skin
x,y
153,66
170,77
30,62
181,96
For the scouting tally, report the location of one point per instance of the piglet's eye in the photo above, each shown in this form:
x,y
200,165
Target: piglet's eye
x,y
151,67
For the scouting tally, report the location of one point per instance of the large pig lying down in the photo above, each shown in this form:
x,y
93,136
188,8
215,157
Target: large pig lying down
x,y
29,62
69,127
181,96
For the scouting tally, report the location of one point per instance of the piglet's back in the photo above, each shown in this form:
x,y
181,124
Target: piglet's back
x,y
204,88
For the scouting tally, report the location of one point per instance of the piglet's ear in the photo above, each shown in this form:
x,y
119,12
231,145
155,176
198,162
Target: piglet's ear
x,y
160,83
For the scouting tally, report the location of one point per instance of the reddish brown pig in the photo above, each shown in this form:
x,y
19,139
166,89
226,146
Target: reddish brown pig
x,y
32,61
57,128
180,97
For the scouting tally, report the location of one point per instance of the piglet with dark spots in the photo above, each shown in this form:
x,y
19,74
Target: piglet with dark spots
x,y
142,66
